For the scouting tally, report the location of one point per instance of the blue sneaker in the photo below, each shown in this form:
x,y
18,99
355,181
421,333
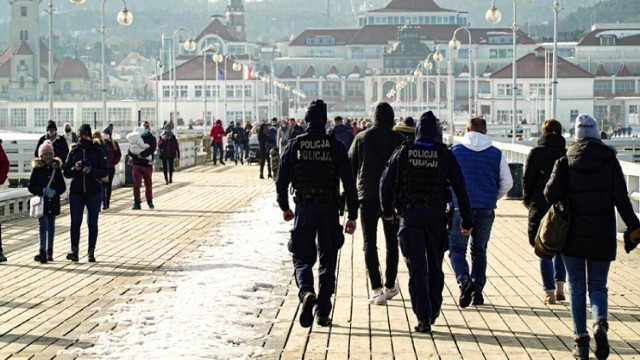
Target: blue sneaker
x,y
150,204
136,206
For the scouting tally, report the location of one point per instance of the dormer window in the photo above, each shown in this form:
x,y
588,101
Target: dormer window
x,y
609,40
321,40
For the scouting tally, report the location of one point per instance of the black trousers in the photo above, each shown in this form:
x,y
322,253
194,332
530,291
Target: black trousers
x,y
167,166
108,187
369,214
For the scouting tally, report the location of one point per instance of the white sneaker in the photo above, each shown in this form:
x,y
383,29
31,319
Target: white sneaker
x,y
390,293
378,297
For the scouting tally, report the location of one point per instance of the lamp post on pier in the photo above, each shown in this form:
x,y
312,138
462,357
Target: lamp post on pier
x,y
454,44
189,45
124,18
493,16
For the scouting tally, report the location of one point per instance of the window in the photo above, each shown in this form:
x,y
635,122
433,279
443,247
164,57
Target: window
x,y
309,88
21,82
505,90
236,49
354,89
608,40
67,86
247,91
331,88
602,87
4,117
40,117
182,91
573,114
87,115
122,117
18,117
148,114
357,53
484,87
63,115
500,53
542,116
166,91
504,116
633,109
23,11
625,86
198,91
538,89
501,39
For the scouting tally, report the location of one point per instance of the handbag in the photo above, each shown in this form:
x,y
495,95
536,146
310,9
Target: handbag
x,y
36,203
554,229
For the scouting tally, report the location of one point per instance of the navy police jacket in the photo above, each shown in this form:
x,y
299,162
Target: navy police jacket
x,y
338,156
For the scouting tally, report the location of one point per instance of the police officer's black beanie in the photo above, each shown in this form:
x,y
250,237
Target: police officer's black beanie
x,y
384,114
51,125
316,115
84,130
427,129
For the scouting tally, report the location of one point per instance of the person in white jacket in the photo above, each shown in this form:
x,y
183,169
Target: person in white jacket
x,y
488,178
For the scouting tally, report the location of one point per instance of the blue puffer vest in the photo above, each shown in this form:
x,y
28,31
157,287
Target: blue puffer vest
x,y
481,171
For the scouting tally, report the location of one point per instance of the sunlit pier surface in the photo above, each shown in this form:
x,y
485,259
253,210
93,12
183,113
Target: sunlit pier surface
x,y
114,307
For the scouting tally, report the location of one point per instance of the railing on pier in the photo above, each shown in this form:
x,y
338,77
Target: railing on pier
x,y
14,200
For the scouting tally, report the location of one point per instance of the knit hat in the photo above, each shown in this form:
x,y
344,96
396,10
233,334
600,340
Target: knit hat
x,y
218,122
274,120
108,129
84,130
316,115
409,121
427,128
384,114
587,127
45,147
51,125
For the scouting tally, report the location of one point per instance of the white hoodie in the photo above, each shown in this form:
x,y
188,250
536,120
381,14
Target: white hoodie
x,y
476,141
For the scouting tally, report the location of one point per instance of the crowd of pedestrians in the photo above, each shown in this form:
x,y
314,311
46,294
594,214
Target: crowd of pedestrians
x,y
430,197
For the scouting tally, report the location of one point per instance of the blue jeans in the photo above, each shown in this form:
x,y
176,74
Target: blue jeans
x,y
552,270
216,147
238,150
581,272
47,224
482,223
78,202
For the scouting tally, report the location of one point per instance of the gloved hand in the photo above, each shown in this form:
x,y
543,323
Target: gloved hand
x,y
86,169
48,192
631,239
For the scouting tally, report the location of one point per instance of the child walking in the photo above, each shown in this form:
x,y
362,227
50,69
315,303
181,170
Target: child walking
x,y
46,180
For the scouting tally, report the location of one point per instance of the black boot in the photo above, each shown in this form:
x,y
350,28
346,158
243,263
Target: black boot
x,y
41,257
91,255
600,328
581,348
170,178
73,255
50,255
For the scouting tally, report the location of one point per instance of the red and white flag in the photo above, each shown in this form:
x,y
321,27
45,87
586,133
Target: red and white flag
x,y
246,72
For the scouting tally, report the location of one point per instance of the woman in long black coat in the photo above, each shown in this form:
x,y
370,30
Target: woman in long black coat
x,y
551,147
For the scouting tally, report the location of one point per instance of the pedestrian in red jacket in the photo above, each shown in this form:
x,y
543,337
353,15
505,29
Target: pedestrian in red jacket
x,y
217,133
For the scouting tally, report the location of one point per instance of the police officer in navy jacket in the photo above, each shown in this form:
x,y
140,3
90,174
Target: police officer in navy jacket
x,y
313,164
414,184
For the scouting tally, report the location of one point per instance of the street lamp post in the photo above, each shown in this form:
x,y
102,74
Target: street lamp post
x,y
158,69
454,44
493,16
257,75
438,57
554,66
189,45
217,58
204,86
124,18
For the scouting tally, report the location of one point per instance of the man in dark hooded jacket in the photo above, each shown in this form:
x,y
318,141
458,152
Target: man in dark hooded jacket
x,y
342,132
415,182
314,163
60,145
369,152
